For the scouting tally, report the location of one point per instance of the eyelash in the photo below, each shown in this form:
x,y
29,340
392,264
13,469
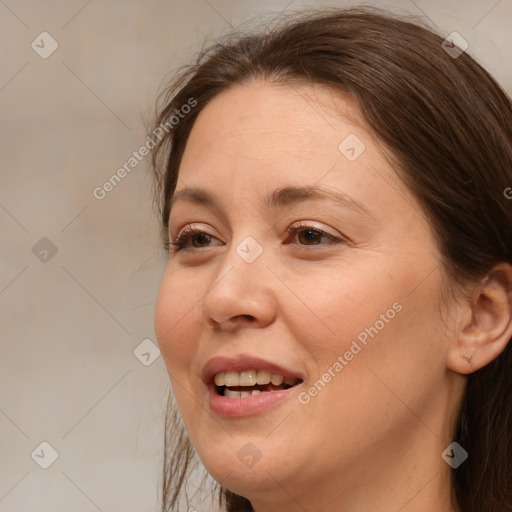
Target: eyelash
x,y
186,234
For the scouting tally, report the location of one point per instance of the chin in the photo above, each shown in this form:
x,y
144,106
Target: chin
x,y
244,471
243,481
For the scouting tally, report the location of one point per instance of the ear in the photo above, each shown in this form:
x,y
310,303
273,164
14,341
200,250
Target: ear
x,y
486,325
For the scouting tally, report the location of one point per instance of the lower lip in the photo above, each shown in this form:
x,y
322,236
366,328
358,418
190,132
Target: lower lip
x,y
249,405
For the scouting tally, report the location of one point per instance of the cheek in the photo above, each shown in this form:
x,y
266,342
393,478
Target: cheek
x,y
336,305
393,354
174,326
379,326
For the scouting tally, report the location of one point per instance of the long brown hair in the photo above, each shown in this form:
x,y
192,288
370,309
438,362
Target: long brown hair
x,y
448,126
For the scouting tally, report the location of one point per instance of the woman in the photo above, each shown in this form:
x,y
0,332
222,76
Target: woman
x,y
335,314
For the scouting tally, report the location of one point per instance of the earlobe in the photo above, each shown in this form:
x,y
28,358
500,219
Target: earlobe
x,y
489,329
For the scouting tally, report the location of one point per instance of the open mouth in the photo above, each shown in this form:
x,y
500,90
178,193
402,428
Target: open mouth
x,y
251,383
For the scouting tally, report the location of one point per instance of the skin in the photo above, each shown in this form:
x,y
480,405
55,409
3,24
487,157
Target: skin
x,y
372,438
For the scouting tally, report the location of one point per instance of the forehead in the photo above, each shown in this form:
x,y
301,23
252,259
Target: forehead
x,y
254,138
261,116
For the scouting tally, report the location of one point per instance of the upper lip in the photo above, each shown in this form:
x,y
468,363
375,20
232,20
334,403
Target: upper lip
x,y
243,362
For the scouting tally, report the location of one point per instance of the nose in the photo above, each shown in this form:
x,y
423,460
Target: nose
x,y
240,296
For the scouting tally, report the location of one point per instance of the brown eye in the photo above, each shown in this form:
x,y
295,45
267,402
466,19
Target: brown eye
x,y
309,235
198,238
201,238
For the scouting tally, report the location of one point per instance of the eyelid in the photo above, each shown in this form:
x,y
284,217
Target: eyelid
x,y
301,224
177,243
296,225
309,226
184,235
191,227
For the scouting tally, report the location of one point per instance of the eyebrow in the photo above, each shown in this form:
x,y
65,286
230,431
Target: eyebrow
x,y
285,196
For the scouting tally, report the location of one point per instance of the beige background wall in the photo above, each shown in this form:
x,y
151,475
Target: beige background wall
x,y
70,321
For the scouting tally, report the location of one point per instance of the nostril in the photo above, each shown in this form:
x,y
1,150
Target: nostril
x,y
249,318
230,324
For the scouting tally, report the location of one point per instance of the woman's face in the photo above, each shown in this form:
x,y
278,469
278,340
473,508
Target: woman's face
x,y
311,262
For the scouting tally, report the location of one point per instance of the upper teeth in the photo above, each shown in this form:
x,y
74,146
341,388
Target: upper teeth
x,y
251,378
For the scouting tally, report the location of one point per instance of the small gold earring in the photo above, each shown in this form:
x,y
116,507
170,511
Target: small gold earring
x,y
469,359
